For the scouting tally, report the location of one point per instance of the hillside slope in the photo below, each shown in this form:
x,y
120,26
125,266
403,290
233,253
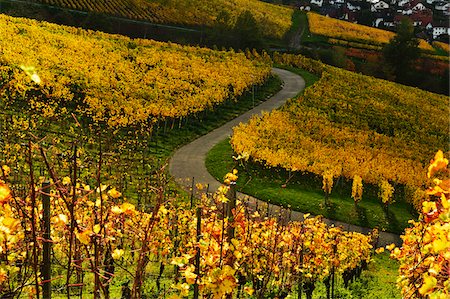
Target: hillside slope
x,y
351,124
115,79
274,20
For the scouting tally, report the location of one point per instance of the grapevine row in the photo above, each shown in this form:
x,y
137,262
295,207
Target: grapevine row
x,y
349,124
114,79
338,29
239,250
274,20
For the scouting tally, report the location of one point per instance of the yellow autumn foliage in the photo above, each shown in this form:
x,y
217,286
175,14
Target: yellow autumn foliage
x,y
115,79
386,192
338,29
357,188
443,46
274,20
365,126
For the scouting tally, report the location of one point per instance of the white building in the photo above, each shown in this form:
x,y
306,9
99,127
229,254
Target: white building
x,y
419,6
379,6
402,3
439,30
317,2
442,6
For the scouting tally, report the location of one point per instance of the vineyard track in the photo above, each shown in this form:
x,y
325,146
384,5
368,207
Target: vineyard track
x,y
188,162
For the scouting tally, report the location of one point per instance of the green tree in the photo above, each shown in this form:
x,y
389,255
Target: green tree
x,y
402,50
247,33
222,31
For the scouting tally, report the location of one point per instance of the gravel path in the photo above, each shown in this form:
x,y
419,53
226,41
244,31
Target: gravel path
x,y
188,162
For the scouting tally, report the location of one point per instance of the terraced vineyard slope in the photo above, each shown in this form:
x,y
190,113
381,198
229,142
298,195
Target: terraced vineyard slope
x,y
274,20
351,125
113,79
350,34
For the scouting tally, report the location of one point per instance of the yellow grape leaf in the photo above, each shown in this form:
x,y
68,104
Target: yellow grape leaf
x,y
445,202
190,275
379,250
10,223
237,254
227,270
3,275
428,206
66,180
437,164
249,290
227,286
116,210
5,193
222,198
184,289
390,247
114,193
31,72
429,283
440,245
97,228
128,207
102,188
84,237
117,253
6,170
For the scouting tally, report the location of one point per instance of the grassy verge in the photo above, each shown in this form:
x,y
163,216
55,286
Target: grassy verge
x,y
307,36
309,78
303,193
131,159
377,282
164,144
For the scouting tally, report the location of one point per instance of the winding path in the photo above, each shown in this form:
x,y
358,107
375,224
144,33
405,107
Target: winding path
x,y
188,162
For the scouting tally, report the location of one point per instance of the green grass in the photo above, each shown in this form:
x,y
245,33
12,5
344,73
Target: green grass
x,y
309,78
303,193
115,288
130,168
377,282
307,36
165,144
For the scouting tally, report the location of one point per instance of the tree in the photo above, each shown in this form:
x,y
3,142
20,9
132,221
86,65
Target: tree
x,y
222,30
366,17
402,50
247,32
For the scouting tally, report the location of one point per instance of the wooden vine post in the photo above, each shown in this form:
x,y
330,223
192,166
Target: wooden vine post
x,y
46,247
231,179
197,254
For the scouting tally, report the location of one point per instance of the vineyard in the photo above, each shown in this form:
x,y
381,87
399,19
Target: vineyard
x,y
350,125
442,46
219,248
135,100
87,208
353,33
116,80
274,20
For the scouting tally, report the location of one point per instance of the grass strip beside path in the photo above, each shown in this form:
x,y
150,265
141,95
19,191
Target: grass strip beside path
x,y
303,193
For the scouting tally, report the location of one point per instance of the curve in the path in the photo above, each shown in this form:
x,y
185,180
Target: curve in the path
x,y
188,162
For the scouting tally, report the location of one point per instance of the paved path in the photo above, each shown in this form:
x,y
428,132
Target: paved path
x,y
189,161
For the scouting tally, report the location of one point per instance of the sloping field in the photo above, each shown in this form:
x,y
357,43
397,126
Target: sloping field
x,y
274,20
337,29
114,79
349,124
